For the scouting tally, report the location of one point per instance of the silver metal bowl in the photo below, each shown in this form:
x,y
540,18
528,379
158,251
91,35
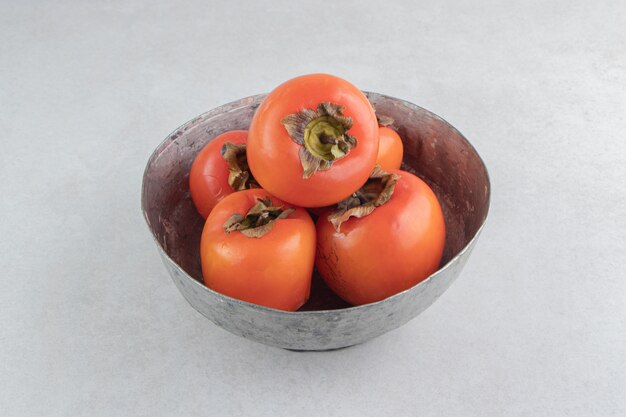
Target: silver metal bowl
x,y
433,149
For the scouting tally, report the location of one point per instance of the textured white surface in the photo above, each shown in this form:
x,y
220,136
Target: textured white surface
x,y
90,323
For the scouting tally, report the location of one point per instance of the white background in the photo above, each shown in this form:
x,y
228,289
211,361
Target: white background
x,y
92,325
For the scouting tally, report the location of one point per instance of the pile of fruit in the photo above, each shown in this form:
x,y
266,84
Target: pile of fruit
x,y
315,149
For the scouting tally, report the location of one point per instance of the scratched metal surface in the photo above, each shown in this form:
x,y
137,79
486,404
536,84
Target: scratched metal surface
x,y
434,150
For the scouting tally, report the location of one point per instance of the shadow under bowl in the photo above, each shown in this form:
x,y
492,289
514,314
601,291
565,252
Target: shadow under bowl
x,y
433,150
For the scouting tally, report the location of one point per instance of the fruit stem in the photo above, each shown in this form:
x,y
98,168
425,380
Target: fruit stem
x,y
239,175
259,220
374,193
322,133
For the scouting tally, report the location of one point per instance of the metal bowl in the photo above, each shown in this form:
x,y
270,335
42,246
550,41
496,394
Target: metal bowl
x,y
433,150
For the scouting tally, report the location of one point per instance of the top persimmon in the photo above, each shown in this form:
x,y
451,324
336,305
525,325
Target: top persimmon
x,y
313,141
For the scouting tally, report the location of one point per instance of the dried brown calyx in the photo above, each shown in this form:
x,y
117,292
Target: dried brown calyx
x,y
239,176
384,120
259,220
322,135
377,191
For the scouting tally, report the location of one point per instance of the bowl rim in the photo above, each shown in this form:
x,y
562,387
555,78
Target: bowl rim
x,y
250,100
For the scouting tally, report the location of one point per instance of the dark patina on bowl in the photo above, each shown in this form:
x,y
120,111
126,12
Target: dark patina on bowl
x,y
433,149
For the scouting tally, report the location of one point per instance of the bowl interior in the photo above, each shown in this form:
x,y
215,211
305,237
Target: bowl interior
x,y
433,150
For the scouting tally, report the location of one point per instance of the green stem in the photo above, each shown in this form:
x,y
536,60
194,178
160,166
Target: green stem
x,y
322,133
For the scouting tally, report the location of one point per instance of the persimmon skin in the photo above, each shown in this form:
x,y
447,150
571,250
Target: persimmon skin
x,y
208,177
274,158
274,270
390,149
388,251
